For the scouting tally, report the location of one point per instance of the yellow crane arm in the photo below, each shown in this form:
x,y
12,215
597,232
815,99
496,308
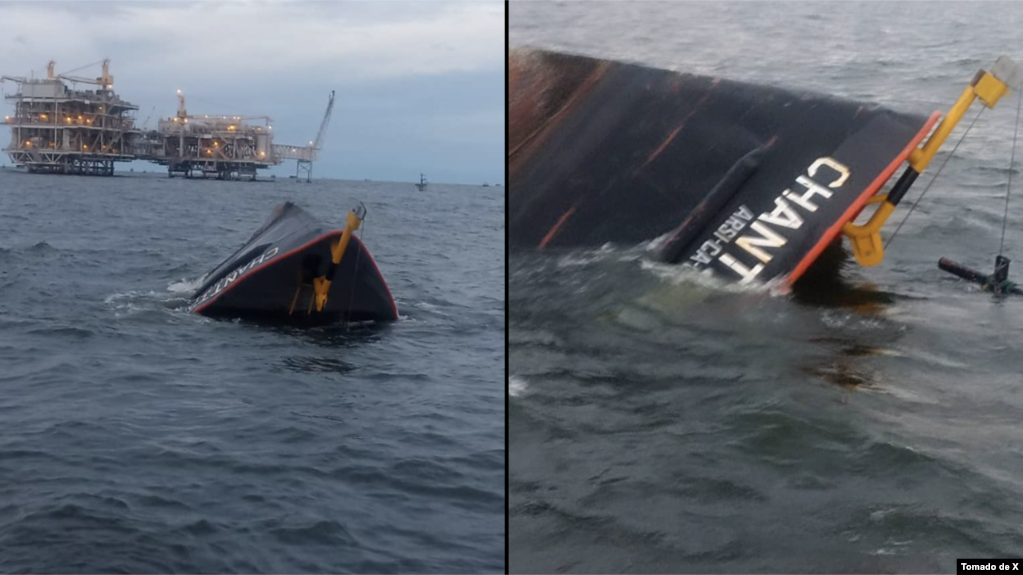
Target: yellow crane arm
x,y
989,87
321,285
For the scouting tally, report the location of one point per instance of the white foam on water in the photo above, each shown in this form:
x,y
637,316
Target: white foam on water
x,y
586,257
119,299
677,274
132,302
657,243
516,386
185,285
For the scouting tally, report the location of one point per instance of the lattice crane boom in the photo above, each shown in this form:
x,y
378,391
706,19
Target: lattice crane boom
x,y
318,144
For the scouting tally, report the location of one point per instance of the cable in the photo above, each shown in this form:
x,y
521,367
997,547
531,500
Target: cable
x,y
355,278
934,179
1012,162
81,67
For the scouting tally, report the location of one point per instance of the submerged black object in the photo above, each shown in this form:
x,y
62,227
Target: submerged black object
x,y
997,282
748,181
272,276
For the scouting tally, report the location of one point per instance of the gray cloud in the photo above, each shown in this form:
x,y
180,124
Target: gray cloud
x,y
282,58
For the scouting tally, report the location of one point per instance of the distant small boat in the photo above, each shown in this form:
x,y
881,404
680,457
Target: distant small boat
x,y
295,270
422,183
486,185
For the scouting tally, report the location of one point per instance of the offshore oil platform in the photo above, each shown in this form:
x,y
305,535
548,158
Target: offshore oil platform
x,y
57,128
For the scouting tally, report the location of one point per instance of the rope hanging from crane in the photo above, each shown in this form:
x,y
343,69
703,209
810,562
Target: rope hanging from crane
x,y
933,179
82,67
997,282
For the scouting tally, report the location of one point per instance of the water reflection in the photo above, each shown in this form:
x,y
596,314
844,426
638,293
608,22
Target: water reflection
x,y
332,340
331,336
825,287
847,367
317,365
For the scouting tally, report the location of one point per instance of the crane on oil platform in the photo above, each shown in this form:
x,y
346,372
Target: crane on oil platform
x,y
105,81
305,165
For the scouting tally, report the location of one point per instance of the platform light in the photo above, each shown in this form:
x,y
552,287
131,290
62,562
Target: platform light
x,y
28,143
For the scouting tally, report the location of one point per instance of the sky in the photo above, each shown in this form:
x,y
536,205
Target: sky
x,y
420,85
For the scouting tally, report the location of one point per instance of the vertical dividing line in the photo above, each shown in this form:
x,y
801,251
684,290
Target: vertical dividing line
x,y
1012,163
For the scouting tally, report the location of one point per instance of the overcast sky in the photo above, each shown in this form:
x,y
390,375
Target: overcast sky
x,y
420,85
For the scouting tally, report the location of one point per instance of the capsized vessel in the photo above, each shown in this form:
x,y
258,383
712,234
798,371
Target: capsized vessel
x,y
748,182
296,270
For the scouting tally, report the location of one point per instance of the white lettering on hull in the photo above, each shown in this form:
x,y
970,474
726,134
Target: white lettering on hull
x,y
235,274
768,239
783,216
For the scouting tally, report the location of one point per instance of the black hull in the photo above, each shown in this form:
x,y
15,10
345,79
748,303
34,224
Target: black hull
x,y
749,182
261,280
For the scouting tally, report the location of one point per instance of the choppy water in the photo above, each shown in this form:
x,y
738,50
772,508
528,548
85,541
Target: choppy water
x,y
658,424
135,437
